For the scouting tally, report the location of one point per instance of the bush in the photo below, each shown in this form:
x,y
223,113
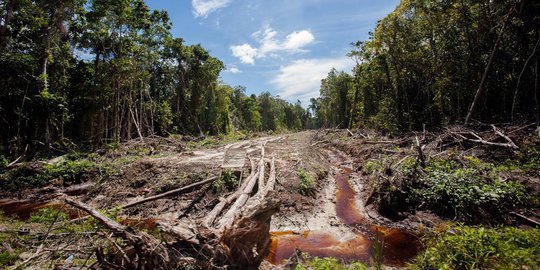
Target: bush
x,y
307,184
469,190
466,191
465,247
228,181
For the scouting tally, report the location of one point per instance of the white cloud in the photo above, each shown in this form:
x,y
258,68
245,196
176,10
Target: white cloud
x,y
202,8
245,53
298,40
270,45
233,69
302,78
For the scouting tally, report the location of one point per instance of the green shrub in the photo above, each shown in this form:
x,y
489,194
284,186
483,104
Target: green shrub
x,y
7,258
464,191
469,190
227,181
307,184
465,247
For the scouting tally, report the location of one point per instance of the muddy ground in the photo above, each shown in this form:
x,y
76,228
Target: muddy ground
x,y
333,218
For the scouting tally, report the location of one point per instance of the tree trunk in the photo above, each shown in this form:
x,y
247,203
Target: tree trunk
x,y
480,90
514,102
6,20
536,94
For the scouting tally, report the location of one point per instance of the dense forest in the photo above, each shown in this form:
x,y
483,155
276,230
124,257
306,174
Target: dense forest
x,y
439,62
105,71
100,71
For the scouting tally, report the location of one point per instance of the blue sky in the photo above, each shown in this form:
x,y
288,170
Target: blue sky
x,y
282,46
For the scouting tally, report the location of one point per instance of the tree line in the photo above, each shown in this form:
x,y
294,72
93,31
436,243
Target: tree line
x,y
101,71
433,62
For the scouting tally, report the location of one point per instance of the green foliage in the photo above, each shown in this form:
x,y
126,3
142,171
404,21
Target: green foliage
x,y
422,62
228,181
35,175
3,162
7,258
307,184
465,248
329,264
48,216
466,191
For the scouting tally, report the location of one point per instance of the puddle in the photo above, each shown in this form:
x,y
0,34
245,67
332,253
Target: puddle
x,y
346,208
398,247
24,209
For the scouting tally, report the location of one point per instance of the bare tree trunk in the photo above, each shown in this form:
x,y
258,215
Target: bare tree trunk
x,y
480,90
514,102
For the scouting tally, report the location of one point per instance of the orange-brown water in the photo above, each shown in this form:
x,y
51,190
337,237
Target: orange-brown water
x,y
398,246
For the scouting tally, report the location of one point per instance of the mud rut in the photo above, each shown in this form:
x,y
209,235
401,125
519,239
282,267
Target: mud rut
x,y
349,237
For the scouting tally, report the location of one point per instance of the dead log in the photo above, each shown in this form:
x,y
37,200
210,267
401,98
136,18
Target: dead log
x,y
169,193
421,156
211,217
233,212
261,169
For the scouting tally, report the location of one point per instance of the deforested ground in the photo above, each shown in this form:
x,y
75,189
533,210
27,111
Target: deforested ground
x,y
342,198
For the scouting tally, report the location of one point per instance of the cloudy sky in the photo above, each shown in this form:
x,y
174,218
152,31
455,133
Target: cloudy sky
x,y
282,46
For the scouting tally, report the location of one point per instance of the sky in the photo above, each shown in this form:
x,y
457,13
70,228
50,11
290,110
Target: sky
x,y
282,46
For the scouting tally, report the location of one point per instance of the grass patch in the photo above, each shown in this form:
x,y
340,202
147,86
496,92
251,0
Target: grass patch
x,y
328,264
463,247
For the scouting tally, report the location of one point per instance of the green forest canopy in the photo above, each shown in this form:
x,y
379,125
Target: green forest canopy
x,y
424,64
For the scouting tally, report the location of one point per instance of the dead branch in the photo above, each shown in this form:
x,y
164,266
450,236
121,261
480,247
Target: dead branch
x,y
526,219
170,193
510,142
481,140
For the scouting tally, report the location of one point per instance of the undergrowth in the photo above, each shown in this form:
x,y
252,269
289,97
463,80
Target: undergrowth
x,y
463,247
33,174
467,189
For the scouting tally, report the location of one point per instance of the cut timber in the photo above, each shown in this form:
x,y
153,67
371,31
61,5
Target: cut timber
x,y
170,193
233,212
211,217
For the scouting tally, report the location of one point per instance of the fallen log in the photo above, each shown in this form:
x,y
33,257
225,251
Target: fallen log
x,y
169,193
211,217
230,215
